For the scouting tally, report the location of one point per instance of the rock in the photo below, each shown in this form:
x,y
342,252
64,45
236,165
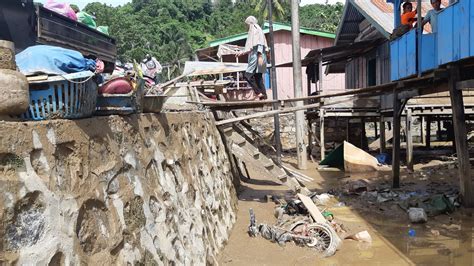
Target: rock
x,y
417,215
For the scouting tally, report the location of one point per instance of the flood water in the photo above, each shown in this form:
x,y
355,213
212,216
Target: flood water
x,y
443,240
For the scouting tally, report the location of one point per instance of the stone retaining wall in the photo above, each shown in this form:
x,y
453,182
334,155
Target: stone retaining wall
x,y
150,189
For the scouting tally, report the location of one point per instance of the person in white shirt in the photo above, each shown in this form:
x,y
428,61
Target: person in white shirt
x,y
151,67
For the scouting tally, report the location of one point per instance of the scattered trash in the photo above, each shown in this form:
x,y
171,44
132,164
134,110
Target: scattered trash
x,y
384,158
435,232
363,236
321,199
321,237
411,232
328,215
357,186
417,215
452,227
433,205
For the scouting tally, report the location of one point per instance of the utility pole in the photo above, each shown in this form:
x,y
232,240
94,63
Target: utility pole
x,y
297,85
276,118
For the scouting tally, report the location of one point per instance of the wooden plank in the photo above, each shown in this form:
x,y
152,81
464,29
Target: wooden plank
x,y
422,129
409,135
465,84
173,81
312,209
37,78
428,132
322,142
445,36
383,144
394,73
383,87
396,141
296,173
460,136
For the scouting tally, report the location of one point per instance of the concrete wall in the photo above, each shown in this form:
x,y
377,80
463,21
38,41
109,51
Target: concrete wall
x,y
151,189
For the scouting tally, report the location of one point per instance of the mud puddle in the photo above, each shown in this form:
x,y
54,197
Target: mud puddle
x,y
443,240
446,239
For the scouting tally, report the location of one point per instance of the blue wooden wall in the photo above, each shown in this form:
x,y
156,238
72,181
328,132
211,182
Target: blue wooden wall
x,y
452,41
403,56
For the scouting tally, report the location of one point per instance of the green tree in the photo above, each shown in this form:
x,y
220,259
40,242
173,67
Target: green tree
x,y
321,17
171,31
280,8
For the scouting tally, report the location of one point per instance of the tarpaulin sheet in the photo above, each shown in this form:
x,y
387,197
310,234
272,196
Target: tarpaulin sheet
x,y
198,68
229,49
52,60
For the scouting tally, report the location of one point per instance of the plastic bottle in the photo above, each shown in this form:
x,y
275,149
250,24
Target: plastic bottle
x,y
411,237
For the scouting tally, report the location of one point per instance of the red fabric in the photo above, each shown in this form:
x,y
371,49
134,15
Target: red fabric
x,y
116,86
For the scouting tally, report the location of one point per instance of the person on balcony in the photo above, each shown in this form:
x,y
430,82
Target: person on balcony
x,y
432,15
409,16
256,48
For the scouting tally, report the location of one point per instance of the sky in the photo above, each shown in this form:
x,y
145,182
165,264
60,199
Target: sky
x,y
83,3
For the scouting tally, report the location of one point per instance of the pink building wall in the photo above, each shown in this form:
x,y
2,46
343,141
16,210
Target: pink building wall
x,y
283,54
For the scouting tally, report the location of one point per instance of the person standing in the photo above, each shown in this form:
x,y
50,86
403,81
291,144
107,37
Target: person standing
x,y
256,48
151,67
432,15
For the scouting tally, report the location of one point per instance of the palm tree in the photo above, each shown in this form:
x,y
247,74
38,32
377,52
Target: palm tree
x,y
262,7
176,46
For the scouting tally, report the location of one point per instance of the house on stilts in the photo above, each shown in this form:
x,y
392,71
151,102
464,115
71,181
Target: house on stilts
x,y
420,77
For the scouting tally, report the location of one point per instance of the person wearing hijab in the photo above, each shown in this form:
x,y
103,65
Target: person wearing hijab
x,y
256,48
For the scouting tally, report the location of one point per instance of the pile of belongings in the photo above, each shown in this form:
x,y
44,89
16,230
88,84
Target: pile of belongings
x,y
124,79
75,14
53,60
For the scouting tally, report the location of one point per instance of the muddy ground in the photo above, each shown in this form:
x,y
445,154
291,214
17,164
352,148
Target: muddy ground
x,y
443,240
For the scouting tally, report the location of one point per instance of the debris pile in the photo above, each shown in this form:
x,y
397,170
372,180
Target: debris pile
x,y
300,221
430,200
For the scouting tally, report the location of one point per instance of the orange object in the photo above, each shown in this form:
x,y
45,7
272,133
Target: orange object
x,y
408,18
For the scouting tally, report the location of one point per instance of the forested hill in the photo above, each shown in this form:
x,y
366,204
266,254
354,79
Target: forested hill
x,y
172,30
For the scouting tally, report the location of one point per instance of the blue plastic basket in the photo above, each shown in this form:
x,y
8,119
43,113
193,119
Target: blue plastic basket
x,y
68,96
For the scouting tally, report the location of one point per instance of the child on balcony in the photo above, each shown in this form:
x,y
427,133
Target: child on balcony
x,y
409,16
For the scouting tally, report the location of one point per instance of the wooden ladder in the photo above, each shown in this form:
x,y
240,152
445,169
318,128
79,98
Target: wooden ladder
x,y
246,152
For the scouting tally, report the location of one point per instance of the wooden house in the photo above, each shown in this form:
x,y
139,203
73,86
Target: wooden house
x,y
310,39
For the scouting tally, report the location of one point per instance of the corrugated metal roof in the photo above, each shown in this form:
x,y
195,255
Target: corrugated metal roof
x,y
277,26
378,12
375,11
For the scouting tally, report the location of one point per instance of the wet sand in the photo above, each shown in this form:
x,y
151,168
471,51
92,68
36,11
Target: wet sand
x,y
387,224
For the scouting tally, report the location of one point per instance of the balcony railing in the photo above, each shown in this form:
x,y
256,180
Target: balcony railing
x,y
452,41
